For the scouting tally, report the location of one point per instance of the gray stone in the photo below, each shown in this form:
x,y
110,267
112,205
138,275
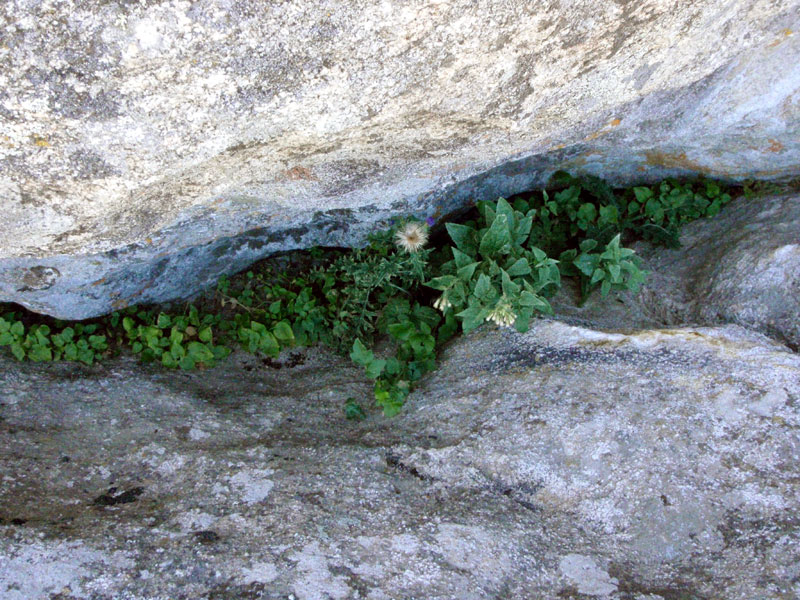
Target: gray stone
x,y
566,462
148,147
742,266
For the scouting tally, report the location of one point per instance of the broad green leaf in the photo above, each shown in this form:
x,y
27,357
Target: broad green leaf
x,y
585,263
442,283
463,237
587,214
605,287
496,239
643,194
402,331
461,259
472,318
504,208
283,333
360,354
40,353
18,351
609,215
519,268
375,368
484,290
18,329
465,273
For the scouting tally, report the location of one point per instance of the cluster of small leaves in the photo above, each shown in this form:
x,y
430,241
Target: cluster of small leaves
x,y
411,327
40,343
588,208
183,341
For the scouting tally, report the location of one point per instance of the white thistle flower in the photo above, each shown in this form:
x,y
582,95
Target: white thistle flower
x,y
411,237
502,315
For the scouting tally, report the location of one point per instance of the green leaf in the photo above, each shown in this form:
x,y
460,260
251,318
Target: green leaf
x,y
6,338
504,208
484,290
71,351
609,215
497,239
18,329
519,268
402,331
643,194
98,342
465,273
442,283
460,258
472,318
175,336
585,263
187,363
587,214
375,368
39,353
463,237
360,354
199,352
283,333
18,351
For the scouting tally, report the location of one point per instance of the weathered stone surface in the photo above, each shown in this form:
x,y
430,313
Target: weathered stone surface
x,y
148,147
742,266
563,463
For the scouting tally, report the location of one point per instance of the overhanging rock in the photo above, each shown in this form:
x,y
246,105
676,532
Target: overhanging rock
x,y
148,149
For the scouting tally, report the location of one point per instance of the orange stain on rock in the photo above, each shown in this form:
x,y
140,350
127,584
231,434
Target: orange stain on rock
x,y
774,146
656,158
297,173
784,34
604,130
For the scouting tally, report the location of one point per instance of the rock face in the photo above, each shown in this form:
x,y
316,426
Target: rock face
x,y
563,463
742,266
149,147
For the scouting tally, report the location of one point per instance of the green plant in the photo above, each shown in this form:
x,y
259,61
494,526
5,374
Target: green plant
x,y
495,274
615,268
177,341
499,268
39,343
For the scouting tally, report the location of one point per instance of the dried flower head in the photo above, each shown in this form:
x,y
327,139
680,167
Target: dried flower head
x,y
411,237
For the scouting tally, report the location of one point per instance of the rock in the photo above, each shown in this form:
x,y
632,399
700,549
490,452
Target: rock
x,y
742,266
566,462
148,148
